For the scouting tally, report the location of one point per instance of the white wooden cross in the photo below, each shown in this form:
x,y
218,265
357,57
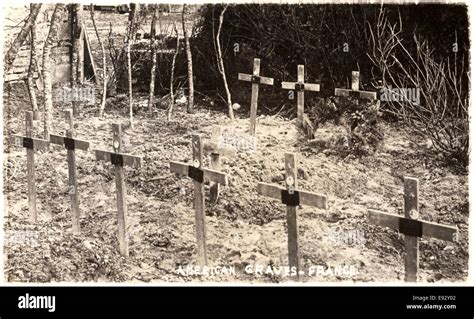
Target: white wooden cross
x,y
30,144
256,80
300,86
412,228
199,174
119,160
71,144
292,197
354,91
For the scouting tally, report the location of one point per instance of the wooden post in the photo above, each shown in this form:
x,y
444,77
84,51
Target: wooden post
x,y
354,91
291,221
119,160
300,86
256,80
71,144
214,187
121,193
199,204
355,81
215,165
199,174
254,98
30,144
30,167
71,165
300,107
292,197
411,209
411,227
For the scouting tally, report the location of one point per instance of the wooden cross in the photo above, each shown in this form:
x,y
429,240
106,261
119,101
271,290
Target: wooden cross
x,y
71,144
411,227
120,160
300,86
216,151
292,197
354,91
256,80
199,174
30,144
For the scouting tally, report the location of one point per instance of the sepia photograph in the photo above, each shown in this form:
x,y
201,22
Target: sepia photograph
x,y
258,143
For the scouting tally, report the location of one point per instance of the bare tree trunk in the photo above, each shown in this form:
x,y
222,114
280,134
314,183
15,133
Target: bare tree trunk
x,y
104,65
77,63
79,43
131,32
31,70
129,71
48,83
151,97
111,82
189,58
170,107
220,63
20,38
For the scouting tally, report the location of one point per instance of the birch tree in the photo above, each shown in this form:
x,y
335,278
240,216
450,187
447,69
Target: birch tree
x,y
31,68
220,64
51,39
153,47
189,58
131,32
104,64
173,63
77,62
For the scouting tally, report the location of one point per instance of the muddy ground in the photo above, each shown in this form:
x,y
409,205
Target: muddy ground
x,y
244,229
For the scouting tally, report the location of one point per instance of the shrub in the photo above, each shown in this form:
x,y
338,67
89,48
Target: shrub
x,y
361,122
439,111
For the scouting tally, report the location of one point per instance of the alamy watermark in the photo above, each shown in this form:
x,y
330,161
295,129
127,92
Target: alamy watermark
x,y
240,142
37,302
85,94
349,237
390,94
25,237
